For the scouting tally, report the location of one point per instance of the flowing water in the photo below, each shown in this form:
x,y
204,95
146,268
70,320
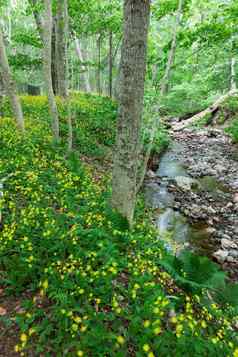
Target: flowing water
x,y
173,227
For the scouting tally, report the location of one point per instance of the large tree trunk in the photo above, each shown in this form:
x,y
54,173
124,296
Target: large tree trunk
x,y
132,78
85,71
47,34
10,85
165,80
62,47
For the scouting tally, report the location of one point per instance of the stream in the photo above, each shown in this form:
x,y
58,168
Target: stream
x,y
194,196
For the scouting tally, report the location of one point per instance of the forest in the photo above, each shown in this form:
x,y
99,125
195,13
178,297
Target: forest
x,y
119,178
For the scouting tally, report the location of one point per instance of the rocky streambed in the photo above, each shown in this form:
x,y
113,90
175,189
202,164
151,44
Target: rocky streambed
x,y
194,194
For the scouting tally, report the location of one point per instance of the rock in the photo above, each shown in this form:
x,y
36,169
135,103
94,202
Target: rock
x,y
219,168
150,174
230,259
228,244
185,183
211,210
221,255
211,230
233,253
235,197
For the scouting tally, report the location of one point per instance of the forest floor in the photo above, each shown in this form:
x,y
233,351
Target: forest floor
x,y
208,193
75,281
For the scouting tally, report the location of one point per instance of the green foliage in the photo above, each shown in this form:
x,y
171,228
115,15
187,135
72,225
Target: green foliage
x,y
233,130
94,288
229,111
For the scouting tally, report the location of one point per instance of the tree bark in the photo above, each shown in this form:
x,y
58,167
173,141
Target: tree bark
x,y
33,4
85,74
10,85
110,65
40,25
54,72
165,80
47,61
132,78
62,47
99,89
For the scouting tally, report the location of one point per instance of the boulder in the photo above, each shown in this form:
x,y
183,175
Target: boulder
x,y
221,255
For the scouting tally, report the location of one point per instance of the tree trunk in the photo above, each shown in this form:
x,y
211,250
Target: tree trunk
x,y
62,47
165,80
10,85
33,4
47,61
39,25
85,74
233,74
132,78
99,65
54,72
110,64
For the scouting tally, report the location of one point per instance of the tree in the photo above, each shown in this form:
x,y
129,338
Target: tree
x,y
132,78
85,74
165,80
10,84
110,65
47,34
62,34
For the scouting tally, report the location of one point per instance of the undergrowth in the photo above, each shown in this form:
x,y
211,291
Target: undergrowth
x,y
94,287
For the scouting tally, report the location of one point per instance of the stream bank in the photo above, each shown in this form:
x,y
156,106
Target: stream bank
x,y
194,193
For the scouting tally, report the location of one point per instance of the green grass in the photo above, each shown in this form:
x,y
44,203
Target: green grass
x,y
94,288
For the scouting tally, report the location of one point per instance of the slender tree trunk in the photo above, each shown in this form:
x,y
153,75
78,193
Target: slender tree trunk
x,y
233,74
132,78
85,75
99,65
62,46
37,17
110,64
54,71
165,80
47,61
1,94
40,26
10,85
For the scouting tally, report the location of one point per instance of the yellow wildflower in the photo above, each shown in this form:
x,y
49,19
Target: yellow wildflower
x,y
23,337
146,348
121,340
146,323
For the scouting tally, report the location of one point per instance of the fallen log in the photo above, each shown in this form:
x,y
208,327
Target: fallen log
x,y
212,109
